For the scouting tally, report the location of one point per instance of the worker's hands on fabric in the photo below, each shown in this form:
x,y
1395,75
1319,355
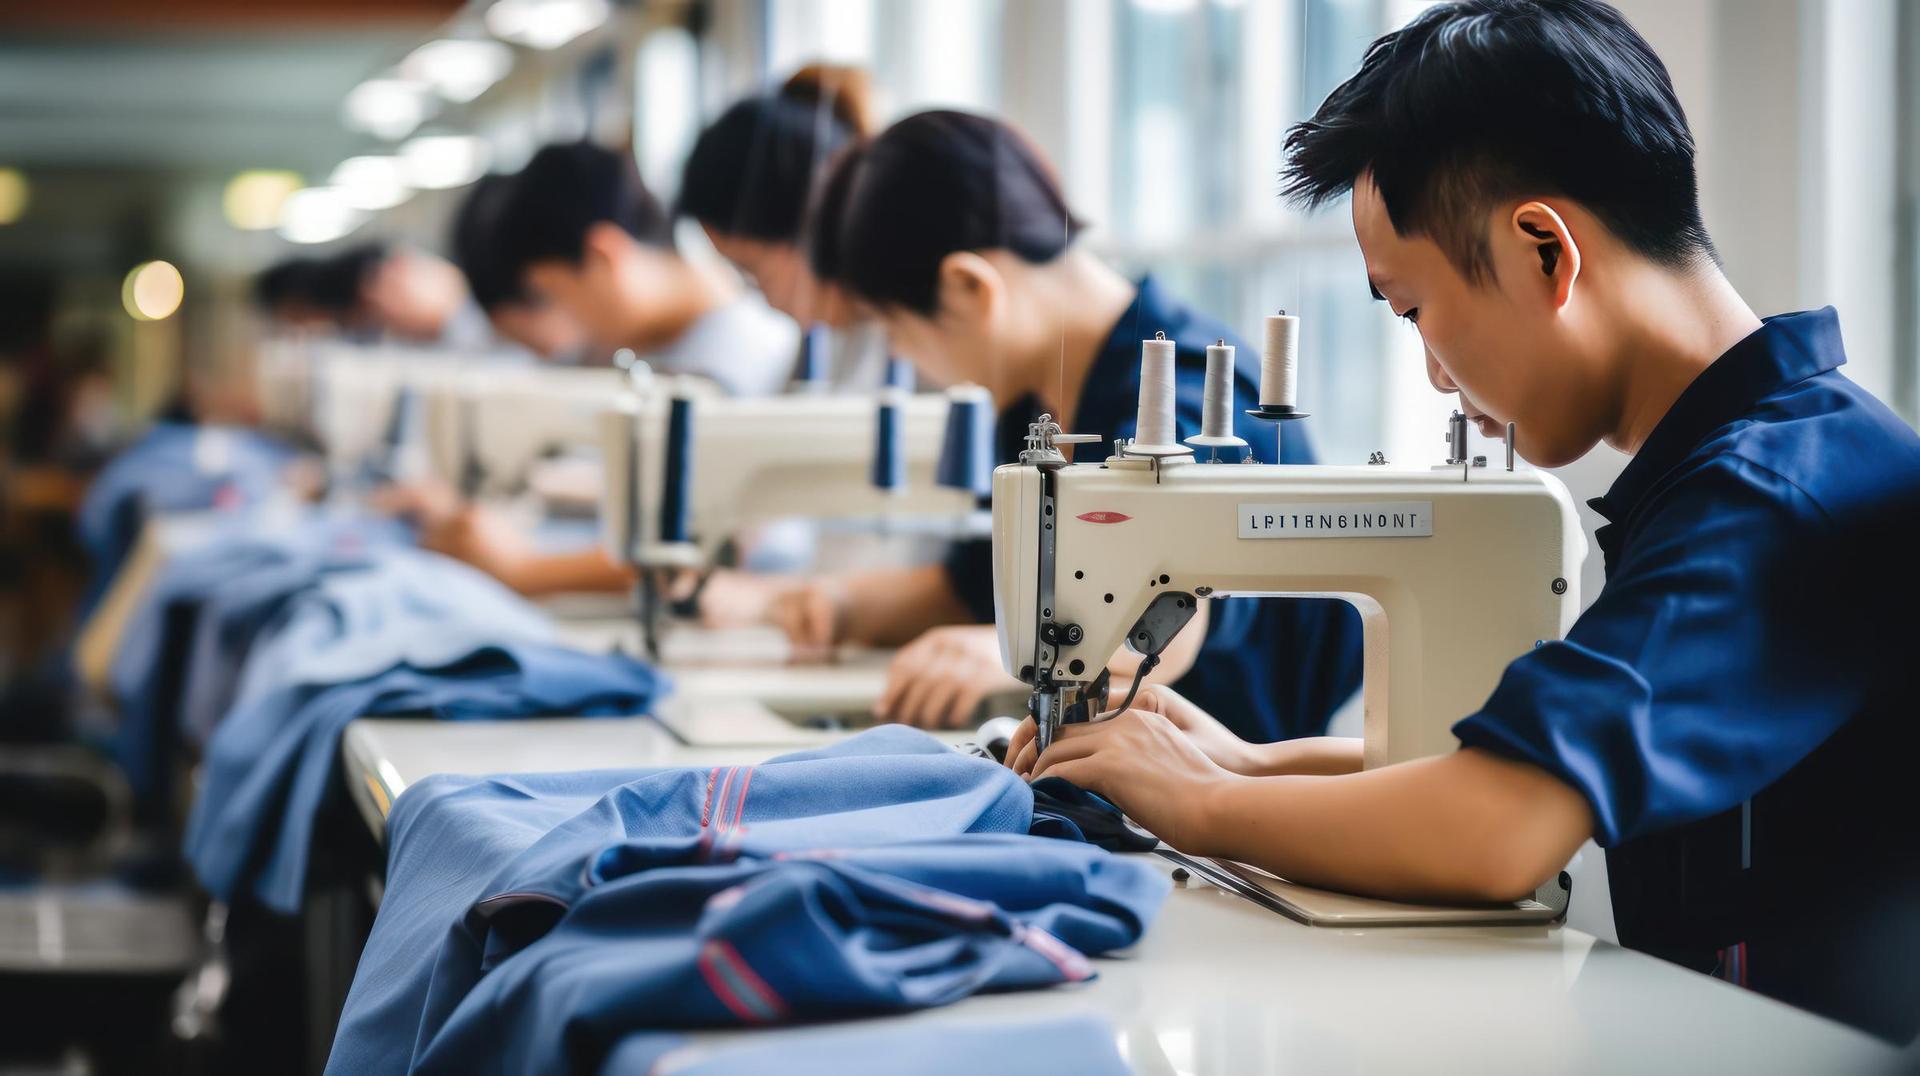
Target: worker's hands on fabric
x,y
431,504
938,680
1147,766
810,613
1214,740
483,539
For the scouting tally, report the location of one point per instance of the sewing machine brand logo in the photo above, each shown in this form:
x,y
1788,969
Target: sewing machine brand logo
x,y
1361,519
1103,517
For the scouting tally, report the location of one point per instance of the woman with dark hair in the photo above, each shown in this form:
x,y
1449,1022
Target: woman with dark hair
x,y
954,231
751,175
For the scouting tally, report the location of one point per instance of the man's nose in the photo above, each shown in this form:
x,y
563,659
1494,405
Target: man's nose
x,y
1437,376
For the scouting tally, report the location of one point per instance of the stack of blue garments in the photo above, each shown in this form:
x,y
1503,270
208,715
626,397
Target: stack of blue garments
x,y
174,467
572,922
367,630
205,608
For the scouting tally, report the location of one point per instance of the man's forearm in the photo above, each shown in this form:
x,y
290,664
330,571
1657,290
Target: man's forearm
x,y
892,607
1315,756
1469,826
585,571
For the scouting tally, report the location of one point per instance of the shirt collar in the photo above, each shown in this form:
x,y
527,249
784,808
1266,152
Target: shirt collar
x,y
1784,350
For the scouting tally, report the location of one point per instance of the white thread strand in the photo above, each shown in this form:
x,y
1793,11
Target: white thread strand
x,y
1279,364
1153,425
1216,402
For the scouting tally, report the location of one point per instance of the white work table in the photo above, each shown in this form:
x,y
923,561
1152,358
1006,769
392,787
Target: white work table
x,y
1223,986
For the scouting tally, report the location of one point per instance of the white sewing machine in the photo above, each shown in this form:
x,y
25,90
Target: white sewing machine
x,y
684,472
485,432
677,487
1456,569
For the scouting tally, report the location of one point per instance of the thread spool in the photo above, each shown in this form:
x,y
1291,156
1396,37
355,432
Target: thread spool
x,y
889,443
1280,362
1154,432
1216,401
814,351
899,374
676,491
966,448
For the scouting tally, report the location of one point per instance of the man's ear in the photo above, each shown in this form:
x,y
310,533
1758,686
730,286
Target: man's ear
x,y
970,287
605,245
1553,244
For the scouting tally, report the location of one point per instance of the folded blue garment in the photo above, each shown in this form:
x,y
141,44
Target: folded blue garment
x,y
885,872
1077,1045
412,633
234,584
273,764
173,468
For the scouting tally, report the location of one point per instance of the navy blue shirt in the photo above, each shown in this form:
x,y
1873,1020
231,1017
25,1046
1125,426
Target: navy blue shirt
x,y
1738,706
1270,668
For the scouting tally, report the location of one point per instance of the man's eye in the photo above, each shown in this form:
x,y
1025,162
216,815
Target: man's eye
x,y
1412,314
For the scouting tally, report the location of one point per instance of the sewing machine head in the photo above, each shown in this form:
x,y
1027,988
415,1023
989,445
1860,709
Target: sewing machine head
x,y
486,430
685,471
1455,570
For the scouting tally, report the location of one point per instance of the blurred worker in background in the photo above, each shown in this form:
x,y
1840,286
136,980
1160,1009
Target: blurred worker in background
x,y
516,314
749,181
581,230
372,290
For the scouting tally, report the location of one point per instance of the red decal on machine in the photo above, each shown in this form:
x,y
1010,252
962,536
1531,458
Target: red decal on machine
x,y
1103,517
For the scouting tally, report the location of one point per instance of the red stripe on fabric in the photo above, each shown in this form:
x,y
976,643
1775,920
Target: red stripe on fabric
x,y
718,984
1061,955
739,965
720,801
706,807
740,807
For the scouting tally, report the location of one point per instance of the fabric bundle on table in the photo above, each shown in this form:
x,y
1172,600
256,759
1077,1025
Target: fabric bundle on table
x,y
884,873
173,468
408,633
203,612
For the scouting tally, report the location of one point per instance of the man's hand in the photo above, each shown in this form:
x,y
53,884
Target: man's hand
x,y
810,613
939,679
1214,740
431,504
483,539
1148,767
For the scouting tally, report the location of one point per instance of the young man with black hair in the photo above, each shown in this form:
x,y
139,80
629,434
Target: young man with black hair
x,y
1735,716
515,313
581,230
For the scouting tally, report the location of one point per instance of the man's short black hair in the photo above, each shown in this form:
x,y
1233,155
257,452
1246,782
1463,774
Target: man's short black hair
x,y
563,192
286,282
1477,101
478,247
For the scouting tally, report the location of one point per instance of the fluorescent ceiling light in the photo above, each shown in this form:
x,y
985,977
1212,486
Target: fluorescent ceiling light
x,y
544,24
252,199
370,183
458,69
318,215
389,108
437,162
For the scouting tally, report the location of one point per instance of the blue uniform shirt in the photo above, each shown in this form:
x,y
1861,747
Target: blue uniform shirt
x,y
1271,668
1738,707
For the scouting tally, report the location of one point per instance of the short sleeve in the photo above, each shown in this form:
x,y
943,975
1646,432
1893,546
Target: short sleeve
x,y
1712,663
969,567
